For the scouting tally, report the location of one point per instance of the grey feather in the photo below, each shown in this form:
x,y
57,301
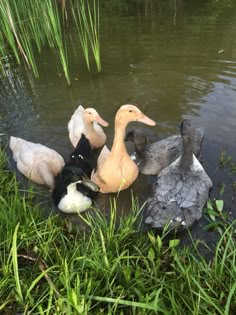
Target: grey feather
x,y
180,192
153,158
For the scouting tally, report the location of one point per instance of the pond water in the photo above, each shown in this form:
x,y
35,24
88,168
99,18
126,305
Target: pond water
x,y
174,59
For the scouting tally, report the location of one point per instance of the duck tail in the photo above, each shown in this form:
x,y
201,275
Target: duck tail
x,y
159,215
14,145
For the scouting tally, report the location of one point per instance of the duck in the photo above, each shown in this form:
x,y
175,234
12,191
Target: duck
x,y
83,156
87,121
74,191
181,189
115,169
153,158
35,161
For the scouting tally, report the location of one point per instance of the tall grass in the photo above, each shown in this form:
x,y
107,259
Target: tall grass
x,y
54,25
87,22
28,26
49,266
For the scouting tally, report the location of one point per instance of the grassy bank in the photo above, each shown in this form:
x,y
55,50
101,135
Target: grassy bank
x,y
50,267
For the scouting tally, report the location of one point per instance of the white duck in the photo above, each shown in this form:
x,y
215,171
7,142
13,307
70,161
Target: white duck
x,y
35,161
86,121
115,169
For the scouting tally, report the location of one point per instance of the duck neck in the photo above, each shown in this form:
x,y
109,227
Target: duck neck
x,y
140,149
71,188
89,126
186,158
118,142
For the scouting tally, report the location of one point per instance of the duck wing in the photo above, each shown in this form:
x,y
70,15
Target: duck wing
x,y
30,152
178,197
105,152
95,176
76,125
186,188
19,146
36,161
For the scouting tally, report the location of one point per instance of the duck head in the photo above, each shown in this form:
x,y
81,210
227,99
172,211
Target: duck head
x,y
128,113
186,127
137,137
91,115
85,181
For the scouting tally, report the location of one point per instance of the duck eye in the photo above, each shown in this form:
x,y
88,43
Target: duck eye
x,y
130,110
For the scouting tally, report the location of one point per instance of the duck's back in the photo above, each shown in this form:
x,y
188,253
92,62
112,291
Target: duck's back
x,y
185,187
160,154
178,196
35,160
30,151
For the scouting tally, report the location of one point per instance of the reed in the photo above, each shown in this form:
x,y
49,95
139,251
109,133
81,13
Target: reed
x,y
93,34
87,22
7,34
54,24
81,27
28,26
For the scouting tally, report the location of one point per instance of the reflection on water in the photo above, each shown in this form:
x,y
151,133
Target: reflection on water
x,y
174,60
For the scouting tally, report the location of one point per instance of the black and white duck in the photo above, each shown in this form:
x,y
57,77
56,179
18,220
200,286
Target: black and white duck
x,y
181,189
154,157
74,191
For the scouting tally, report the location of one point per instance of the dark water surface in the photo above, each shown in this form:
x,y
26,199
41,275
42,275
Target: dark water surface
x,y
174,58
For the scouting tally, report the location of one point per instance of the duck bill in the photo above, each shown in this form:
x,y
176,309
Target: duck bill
x,y
101,121
89,184
145,120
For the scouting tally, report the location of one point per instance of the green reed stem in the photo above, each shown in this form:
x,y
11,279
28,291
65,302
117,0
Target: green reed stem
x,y
15,264
27,26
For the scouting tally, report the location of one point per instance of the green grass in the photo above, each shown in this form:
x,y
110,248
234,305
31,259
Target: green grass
x,y
49,266
87,23
226,162
28,26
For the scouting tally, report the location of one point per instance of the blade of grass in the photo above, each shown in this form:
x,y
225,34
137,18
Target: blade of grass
x,y
15,264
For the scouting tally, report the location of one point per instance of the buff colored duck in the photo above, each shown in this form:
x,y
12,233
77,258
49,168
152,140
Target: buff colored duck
x,y
35,161
181,189
115,169
87,121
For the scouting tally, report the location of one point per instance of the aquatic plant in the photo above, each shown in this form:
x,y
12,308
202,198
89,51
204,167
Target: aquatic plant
x,y
54,25
26,25
82,31
87,23
227,162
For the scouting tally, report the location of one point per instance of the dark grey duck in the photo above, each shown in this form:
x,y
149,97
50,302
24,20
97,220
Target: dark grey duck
x,y
153,158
